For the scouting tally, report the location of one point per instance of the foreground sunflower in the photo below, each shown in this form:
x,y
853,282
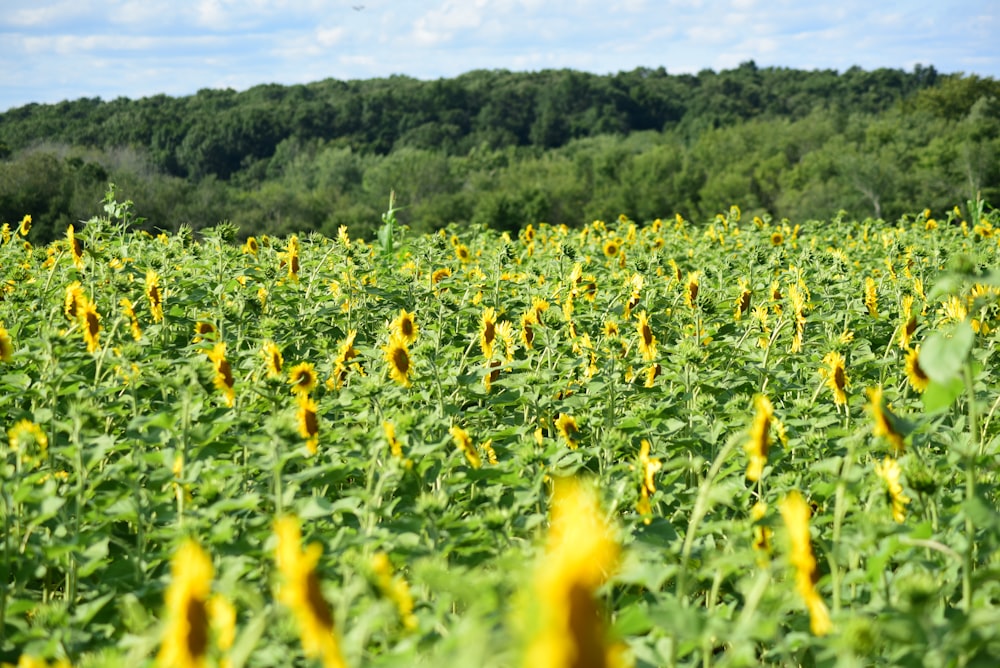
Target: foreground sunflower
x,y
567,426
300,592
397,356
795,513
185,642
580,555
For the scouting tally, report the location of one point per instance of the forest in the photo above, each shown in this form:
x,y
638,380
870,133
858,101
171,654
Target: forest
x,y
502,149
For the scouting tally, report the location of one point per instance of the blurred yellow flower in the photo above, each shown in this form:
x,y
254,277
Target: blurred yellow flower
x,y
795,513
760,438
185,642
300,592
889,471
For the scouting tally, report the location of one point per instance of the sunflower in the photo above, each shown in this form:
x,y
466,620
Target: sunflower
x,y
302,378
612,247
440,274
397,356
273,361
395,589
795,513
871,297
634,287
652,373
777,238
760,438
889,471
916,376
133,320
538,307
647,342
395,447
836,376
292,258
464,443
528,323
691,290
405,325
25,226
204,330
885,422
6,346
25,435
580,555
909,322
346,353
462,253
185,641
251,246
90,321
300,592
74,299
798,300
308,422
487,331
761,533
567,426
743,301
75,248
648,466
154,295
223,379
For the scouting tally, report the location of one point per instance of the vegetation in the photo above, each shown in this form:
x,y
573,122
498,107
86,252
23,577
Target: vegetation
x,y
497,148
736,442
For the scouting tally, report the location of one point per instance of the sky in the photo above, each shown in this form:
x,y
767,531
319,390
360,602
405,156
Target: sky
x,y
56,50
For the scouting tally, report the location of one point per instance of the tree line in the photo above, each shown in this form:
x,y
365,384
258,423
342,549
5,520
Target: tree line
x,y
503,149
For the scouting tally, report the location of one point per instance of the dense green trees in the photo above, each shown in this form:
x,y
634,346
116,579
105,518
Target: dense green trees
x,y
504,148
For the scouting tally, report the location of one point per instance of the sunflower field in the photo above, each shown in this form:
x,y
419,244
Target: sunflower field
x,y
733,442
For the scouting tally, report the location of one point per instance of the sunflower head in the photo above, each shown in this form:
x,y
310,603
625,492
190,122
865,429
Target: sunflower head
x,y
302,378
397,357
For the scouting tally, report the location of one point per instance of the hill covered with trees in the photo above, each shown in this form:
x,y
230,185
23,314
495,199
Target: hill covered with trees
x,y
503,149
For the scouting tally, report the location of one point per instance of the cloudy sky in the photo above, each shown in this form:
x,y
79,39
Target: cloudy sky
x,y
66,49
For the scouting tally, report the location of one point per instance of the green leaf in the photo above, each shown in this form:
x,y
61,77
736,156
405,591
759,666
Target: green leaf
x,y
942,354
940,396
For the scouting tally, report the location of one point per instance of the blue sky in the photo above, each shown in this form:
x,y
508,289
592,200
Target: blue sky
x,y
66,49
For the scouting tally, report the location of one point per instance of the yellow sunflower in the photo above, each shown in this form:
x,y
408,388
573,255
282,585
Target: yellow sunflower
x,y
487,331
760,438
223,379
308,422
154,295
647,342
464,443
580,555
397,356
743,301
251,246
884,421
292,258
395,447
648,466
75,248
528,323
302,378
691,290
405,325
915,375
90,321
300,592
273,361
612,247
871,297
186,639
889,471
204,330
795,513
25,226
836,376
567,426
6,346
75,297
133,320
395,589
